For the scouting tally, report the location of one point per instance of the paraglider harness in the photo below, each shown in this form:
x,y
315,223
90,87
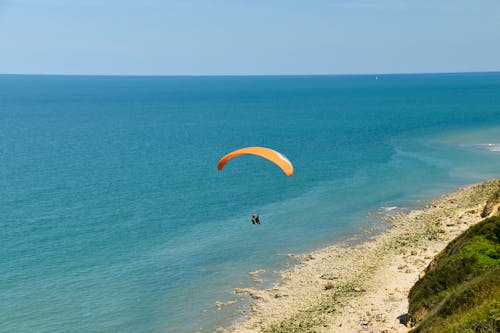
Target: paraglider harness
x,y
255,218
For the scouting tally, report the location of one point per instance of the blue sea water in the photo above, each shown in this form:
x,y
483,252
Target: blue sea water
x,y
114,218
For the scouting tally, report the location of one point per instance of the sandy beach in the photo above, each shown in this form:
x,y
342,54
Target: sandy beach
x,y
364,287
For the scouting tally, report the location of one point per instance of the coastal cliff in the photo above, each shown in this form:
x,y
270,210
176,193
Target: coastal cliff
x,y
460,291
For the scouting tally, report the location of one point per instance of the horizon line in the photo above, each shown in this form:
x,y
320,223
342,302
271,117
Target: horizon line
x,y
249,75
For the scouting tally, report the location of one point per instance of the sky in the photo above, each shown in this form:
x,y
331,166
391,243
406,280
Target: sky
x,y
248,37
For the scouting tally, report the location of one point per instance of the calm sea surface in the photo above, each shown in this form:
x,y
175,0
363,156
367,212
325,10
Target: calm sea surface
x,y
114,218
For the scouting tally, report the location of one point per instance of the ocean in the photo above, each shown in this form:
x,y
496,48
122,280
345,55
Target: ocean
x,y
114,217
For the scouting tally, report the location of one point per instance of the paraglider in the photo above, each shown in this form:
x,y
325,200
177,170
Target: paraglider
x,y
267,153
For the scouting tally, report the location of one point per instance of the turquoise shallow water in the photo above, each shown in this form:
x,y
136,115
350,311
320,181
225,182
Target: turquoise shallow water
x,y
114,218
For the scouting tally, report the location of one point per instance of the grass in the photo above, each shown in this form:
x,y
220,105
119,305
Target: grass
x,y
461,289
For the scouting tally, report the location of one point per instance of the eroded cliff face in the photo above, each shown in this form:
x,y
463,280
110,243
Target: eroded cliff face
x,y
492,207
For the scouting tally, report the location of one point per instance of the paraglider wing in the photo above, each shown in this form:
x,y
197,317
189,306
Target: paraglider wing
x,y
272,155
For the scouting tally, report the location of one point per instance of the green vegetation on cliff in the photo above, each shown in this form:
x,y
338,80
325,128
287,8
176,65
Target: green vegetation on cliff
x,y
460,291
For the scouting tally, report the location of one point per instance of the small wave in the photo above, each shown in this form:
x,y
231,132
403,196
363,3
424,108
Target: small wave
x,y
388,209
493,147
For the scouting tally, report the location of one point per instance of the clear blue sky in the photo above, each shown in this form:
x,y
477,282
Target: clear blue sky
x,y
200,37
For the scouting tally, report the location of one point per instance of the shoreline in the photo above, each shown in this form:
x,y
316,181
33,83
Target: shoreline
x,y
364,288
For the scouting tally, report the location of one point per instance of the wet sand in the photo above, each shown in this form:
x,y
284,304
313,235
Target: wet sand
x,y
364,287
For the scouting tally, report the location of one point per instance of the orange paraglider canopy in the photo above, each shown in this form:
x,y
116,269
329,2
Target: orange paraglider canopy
x,y
272,155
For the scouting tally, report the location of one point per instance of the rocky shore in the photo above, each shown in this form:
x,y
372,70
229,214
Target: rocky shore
x,y
364,288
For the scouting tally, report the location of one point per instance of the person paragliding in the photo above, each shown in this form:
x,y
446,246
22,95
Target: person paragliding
x,y
272,155
255,218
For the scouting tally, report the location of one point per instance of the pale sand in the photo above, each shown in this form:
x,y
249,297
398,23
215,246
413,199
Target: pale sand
x,y
364,288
